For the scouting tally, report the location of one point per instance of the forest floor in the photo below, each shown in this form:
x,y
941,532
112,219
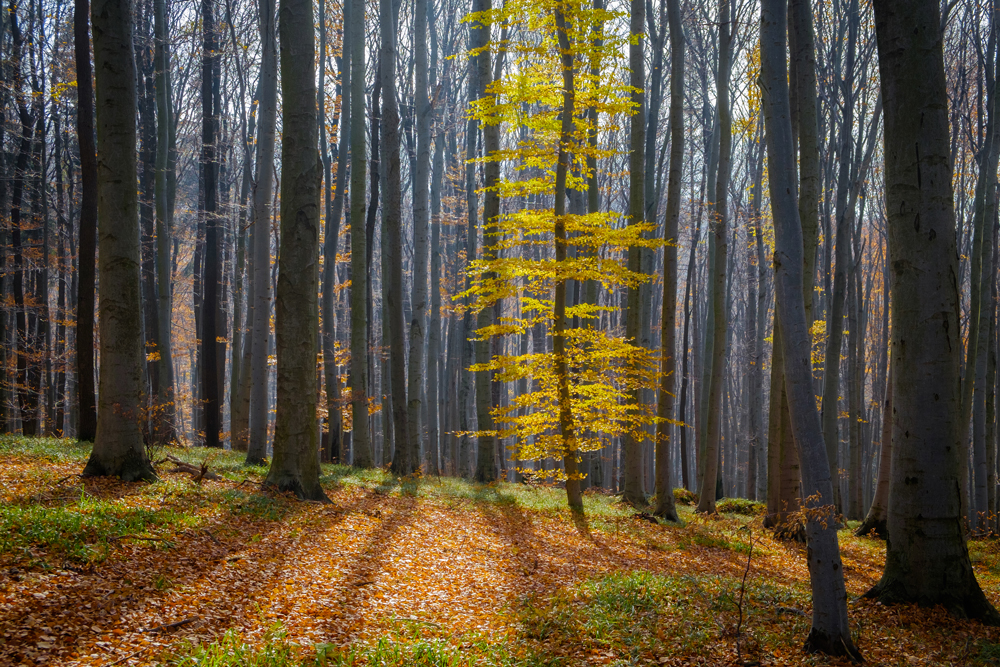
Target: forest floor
x,y
414,572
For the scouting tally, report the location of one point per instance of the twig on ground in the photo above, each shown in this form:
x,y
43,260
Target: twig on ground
x,y
166,627
130,655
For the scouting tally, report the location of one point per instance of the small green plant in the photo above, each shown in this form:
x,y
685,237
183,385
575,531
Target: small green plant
x,y
685,497
740,506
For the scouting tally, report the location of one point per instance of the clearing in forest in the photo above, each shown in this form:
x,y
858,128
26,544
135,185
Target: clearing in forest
x,y
421,571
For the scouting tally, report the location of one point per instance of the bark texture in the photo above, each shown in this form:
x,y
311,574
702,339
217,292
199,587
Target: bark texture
x,y
118,448
295,466
927,560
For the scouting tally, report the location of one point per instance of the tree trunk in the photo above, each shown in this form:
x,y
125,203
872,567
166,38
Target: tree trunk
x,y
404,459
421,178
713,433
570,455
211,404
263,195
927,560
295,466
668,327
486,459
830,631
632,491
166,419
118,448
86,282
360,440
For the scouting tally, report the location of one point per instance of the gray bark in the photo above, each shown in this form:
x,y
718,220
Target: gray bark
x,y
295,466
830,631
927,560
360,441
118,448
262,202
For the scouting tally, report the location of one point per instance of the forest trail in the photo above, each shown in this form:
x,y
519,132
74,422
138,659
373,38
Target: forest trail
x,y
428,559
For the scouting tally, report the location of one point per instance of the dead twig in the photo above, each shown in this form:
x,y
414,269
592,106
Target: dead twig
x,y
130,655
166,627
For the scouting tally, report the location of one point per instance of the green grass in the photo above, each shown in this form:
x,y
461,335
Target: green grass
x,y
404,648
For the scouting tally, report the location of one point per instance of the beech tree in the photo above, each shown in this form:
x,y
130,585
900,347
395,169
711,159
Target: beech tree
x,y
927,560
118,447
831,632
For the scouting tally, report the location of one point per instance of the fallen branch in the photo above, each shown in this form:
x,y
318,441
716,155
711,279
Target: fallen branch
x,y
166,627
114,538
197,473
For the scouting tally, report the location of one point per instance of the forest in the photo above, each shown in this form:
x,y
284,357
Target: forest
x,y
511,332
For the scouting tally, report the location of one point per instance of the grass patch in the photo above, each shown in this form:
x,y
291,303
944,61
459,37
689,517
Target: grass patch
x,y
740,506
79,532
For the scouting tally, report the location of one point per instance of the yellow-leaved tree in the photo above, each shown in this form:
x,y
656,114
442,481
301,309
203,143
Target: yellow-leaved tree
x,y
560,97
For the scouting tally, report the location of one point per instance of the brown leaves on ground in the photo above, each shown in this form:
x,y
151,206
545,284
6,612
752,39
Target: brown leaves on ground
x,y
443,566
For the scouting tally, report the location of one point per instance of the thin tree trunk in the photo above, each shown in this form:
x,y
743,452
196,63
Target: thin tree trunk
x,y
86,269
830,631
706,501
263,195
632,491
668,334
360,440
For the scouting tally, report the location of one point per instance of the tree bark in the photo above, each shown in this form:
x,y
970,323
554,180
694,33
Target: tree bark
x,y
668,327
118,448
87,278
262,201
360,441
404,460
927,560
632,491
830,631
709,485
295,466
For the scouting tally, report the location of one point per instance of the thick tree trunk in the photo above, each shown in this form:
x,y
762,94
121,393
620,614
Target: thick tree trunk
x,y
263,195
927,560
118,448
86,280
830,631
295,466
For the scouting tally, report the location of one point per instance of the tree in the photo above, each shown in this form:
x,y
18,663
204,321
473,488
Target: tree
x,y
665,409
830,631
719,321
87,277
927,560
404,461
261,306
164,222
632,491
585,389
118,446
295,466
210,304
360,442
